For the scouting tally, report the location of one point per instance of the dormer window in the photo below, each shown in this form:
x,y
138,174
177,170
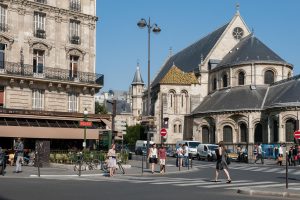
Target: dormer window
x,y
75,5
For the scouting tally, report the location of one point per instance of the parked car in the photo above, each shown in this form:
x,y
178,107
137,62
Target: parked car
x,y
207,151
141,151
192,146
233,156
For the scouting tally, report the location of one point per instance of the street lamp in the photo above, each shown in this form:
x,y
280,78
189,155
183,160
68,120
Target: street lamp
x,y
155,29
85,113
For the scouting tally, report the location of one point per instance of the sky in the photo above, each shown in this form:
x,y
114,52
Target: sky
x,y
121,44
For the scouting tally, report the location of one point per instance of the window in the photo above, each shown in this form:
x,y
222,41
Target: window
x,y
290,127
227,134
241,78
179,128
214,84
2,55
74,32
225,81
39,25
37,99
3,25
75,5
243,132
38,61
175,128
73,67
72,102
269,77
205,134
289,75
258,133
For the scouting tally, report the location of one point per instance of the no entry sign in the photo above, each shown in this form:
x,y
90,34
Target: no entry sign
x,y
297,134
163,132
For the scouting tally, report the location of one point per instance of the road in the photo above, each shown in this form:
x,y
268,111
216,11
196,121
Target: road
x,y
193,184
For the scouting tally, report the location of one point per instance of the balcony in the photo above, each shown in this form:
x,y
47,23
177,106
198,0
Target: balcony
x,y
75,40
3,27
40,33
49,73
75,6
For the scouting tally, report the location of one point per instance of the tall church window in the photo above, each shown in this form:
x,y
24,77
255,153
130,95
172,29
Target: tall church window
x,y
290,127
214,84
269,77
241,77
225,80
243,132
38,61
175,128
37,99
227,134
258,133
205,135
179,128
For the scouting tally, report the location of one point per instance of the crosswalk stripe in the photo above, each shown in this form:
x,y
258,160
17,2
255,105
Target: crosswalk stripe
x,y
204,183
171,182
273,170
284,171
297,173
233,184
258,170
242,167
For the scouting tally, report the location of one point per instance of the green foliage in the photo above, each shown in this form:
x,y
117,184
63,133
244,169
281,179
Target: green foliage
x,y
133,134
99,109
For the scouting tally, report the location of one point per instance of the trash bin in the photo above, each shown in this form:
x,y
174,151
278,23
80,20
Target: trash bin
x,y
129,156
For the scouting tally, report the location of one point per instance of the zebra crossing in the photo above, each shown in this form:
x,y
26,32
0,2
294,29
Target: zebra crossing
x,y
268,169
198,183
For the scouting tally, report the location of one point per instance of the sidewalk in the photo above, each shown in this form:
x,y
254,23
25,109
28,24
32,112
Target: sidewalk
x,y
271,192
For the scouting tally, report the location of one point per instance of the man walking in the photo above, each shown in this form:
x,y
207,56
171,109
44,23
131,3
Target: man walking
x,y
19,149
259,155
162,154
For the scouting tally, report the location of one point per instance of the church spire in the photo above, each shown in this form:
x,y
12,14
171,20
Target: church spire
x,y
137,80
237,8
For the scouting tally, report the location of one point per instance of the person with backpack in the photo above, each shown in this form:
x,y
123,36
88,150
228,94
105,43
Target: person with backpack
x,y
222,162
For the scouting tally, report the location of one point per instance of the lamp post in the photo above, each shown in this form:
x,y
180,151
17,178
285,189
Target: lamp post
x,y
85,113
155,29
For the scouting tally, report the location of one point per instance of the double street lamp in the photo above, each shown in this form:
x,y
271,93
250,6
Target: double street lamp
x,y
155,29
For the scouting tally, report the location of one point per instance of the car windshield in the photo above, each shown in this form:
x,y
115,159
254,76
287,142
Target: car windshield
x,y
212,147
193,144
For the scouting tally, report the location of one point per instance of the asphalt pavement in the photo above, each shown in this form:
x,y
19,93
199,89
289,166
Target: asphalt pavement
x,y
137,168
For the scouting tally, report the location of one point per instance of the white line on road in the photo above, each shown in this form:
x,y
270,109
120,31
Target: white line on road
x,y
238,184
205,183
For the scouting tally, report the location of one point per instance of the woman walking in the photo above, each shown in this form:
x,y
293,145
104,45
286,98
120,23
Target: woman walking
x,y
153,157
221,162
112,163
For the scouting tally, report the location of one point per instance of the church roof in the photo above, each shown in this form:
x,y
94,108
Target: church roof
x,y
137,79
233,99
177,76
189,58
284,93
250,49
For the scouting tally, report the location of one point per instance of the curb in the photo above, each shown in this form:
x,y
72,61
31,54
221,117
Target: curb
x,y
71,167
267,193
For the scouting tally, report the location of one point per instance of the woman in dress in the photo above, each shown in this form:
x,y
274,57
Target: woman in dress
x,y
221,162
153,157
112,162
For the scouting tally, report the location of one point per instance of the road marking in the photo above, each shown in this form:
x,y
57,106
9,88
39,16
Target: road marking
x,y
266,186
273,170
205,183
67,175
284,171
238,184
258,170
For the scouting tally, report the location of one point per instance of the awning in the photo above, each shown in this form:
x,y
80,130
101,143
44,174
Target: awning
x,y
48,132
107,122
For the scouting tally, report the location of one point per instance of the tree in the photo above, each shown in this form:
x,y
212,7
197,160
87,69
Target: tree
x,y
99,109
134,133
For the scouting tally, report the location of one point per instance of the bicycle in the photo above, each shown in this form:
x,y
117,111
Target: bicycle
x,y
105,168
81,164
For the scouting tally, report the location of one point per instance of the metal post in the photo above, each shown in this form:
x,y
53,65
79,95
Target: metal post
x,y
38,162
114,110
142,164
286,170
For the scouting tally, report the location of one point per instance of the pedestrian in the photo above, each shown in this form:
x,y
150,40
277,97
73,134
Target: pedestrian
x,y
259,154
221,162
276,152
294,155
162,154
280,150
19,152
179,153
279,160
290,156
185,152
153,157
112,160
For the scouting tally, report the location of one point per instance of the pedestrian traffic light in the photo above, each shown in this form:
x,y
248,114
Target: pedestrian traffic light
x,y
166,122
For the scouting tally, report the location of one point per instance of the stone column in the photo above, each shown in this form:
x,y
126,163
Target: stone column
x,y
269,129
281,132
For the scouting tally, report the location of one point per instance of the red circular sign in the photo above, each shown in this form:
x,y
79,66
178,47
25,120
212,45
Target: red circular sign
x,y
297,134
163,132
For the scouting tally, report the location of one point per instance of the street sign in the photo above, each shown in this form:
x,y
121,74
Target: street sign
x,y
85,123
163,132
297,134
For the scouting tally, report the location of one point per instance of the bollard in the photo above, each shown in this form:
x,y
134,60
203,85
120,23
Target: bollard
x,y
38,163
286,171
142,164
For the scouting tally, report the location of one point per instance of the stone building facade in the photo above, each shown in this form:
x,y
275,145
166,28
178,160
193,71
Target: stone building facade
x,y
226,86
47,66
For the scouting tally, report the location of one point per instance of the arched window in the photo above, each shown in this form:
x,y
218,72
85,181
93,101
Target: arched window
x,y
269,77
172,98
175,128
243,132
258,134
290,127
205,135
179,128
227,134
214,83
289,75
225,80
241,77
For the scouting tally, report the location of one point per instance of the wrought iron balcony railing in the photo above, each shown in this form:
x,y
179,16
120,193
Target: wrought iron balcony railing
x,y
75,6
3,27
50,73
75,39
40,33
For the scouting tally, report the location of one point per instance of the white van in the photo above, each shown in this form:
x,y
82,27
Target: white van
x,y
141,146
192,146
207,151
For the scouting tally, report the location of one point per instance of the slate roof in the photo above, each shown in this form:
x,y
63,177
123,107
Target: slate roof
x,y
250,49
189,58
284,93
137,79
233,99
